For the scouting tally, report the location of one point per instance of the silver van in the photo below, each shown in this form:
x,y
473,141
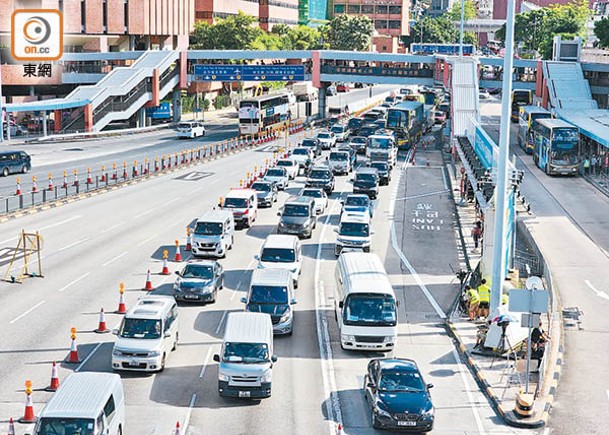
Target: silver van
x,y
88,403
246,360
214,234
271,291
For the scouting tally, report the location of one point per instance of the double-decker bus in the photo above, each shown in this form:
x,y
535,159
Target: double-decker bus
x,y
406,122
264,113
520,97
528,115
556,146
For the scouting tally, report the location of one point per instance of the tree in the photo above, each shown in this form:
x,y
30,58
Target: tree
x,y
439,30
235,32
349,32
601,31
470,12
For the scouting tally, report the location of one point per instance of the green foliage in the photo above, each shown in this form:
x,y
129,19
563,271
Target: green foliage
x,y
470,12
535,30
601,31
439,30
349,32
235,32
221,101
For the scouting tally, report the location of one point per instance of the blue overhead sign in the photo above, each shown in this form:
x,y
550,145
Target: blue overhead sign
x,y
253,73
468,49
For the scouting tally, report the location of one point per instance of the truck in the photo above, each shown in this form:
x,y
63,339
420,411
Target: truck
x,y
304,91
160,113
407,122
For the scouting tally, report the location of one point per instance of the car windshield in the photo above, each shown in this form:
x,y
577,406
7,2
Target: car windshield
x,y
184,126
401,380
313,193
266,294
380,166
208,229
198,271
278,255
324,136
65,426
358,139
275,172
357,200
285,163
235,203
247,353
354,229
140,328
261,187
379,142
301,152
355,122
319,174
367,131
339,156
369,310
338,129
365,177
295,210
309,143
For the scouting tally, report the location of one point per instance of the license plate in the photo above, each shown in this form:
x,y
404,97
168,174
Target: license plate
x,y
134,363
407,423
244,394
191,297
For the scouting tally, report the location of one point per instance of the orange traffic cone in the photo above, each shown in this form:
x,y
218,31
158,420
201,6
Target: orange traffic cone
x,y
18,190
34,185
178,256
89,177
75,178
177,429
188,241
65,180
102,328
148,286
73,357
339,429
28,415
122,308
54,379
11,427
50,182
103,174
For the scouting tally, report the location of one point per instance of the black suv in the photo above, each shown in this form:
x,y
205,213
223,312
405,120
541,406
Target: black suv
x,y
322,177
366,181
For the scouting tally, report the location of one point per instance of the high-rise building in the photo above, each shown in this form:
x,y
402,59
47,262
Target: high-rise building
x,y
268,12
312,12
391,19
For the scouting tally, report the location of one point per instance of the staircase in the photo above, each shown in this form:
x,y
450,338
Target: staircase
x,y
567,87
464,94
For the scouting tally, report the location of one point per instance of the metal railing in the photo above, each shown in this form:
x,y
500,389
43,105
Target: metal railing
x,y
121,103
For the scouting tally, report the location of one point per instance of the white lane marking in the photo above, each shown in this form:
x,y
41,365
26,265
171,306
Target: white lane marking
x,y
74,244
56,224
421,195
82,364
188,413
220,322
84,275
599,293
143,242
323,338
470,396
176,199
114,259
27,312
398,250
144,213
205,362
249,267
113,227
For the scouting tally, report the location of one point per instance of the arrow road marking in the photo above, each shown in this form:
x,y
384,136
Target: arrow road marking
x,y
599,293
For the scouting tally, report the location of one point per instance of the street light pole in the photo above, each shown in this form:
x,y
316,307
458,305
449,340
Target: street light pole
x,y
461,28
1,112
500,230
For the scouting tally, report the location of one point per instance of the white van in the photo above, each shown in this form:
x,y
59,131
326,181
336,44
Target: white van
x,y
214,234
281,251
365,304
340,162
353,232
148,333
190,129
243,203
88,403
246,360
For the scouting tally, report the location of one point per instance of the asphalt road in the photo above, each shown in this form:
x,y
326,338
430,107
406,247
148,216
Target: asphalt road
x,y
575,234
92,245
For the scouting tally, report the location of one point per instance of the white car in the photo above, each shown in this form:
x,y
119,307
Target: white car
x,y
321,199
341,131
327,139
290,165
304,156
191,129
278,176
484,95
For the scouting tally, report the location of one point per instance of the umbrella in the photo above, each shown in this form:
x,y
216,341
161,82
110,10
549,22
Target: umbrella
x,y
503,318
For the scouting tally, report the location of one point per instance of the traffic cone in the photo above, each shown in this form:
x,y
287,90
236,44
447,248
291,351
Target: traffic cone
x,y
339,429
65,180
11,427
148,286
188,240
165,270
125,170
178,256
75,177
54,379
73,357
34,185
102,328
103,174
115,173
427,162
28,415
122,309
146,164
89,177
136,173
177,429
18,191
50,187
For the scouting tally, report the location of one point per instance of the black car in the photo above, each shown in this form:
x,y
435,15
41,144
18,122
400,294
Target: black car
x,y
366,181
398,396
355,124
266,193
14,162
298,217
322,177
314,145
199,281
368,130
384,172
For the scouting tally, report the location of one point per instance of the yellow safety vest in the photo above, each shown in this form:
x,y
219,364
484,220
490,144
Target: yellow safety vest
x,y
484,292
473,296
504,299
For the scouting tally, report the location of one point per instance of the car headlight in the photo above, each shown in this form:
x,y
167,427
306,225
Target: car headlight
x,y
381,412
306,223
428,413
267,376
389,339
286,316
222,377
346,337
117,352
176,287
154,353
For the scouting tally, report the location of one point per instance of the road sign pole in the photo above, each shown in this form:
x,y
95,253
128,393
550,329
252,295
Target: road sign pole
x,y
461,28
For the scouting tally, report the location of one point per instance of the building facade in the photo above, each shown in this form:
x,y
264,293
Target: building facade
x,y
391,20
312,12
268,12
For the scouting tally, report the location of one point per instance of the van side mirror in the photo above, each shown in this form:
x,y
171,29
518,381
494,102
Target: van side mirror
x,y
274,358
115,331
167,335
177,272
293,301
257,257
216,357
335,230
429,385
372,232
278,213
340,304
371,385
243,300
